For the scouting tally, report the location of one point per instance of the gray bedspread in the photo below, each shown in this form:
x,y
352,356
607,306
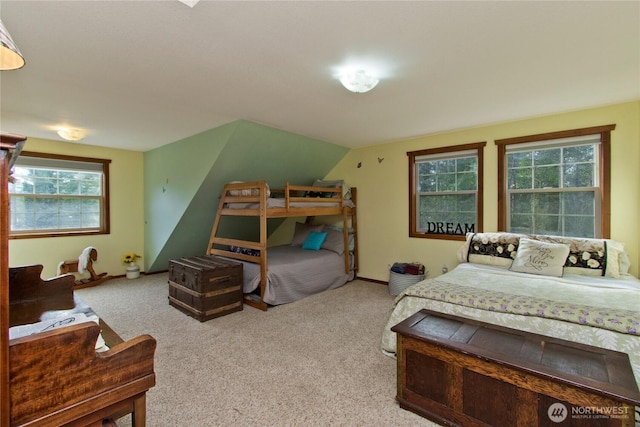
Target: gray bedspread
x,y
294,273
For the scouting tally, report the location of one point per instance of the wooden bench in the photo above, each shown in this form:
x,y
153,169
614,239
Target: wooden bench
x,y
57,378
457,371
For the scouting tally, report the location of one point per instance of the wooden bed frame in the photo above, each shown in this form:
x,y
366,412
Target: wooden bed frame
x,y
295,205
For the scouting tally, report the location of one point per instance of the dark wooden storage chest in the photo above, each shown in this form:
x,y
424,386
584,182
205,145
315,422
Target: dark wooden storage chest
x,y
461,372
205,287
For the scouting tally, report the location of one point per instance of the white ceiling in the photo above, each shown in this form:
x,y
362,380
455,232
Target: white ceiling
x,y
141,74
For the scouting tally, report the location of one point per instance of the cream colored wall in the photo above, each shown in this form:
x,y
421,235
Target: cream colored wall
x,y
383,218
126,195
382,195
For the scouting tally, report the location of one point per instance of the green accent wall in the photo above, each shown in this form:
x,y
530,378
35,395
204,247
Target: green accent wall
x,y
183,182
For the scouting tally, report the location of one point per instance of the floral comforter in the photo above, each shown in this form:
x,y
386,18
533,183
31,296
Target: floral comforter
x,y
597,311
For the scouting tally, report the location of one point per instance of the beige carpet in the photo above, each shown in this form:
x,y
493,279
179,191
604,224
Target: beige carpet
x,y
313,362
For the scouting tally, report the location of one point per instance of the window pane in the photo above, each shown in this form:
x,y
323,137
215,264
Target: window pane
x,y
520,179
23,221
521,223
447,214
468,164
71,220
550,172
467,181
580,226
545,203
522,203
446,182
519,160
579,154
91,205
579,175
547,177
91,184
91,220
580,203
46,221
547,157
45,186
427,183
446,166
47,205
548,224
445,185
62,199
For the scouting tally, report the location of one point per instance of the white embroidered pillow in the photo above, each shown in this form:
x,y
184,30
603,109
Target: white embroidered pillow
x,y
542,258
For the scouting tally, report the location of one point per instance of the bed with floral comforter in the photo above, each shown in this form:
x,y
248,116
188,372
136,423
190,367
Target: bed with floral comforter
x,y
598,307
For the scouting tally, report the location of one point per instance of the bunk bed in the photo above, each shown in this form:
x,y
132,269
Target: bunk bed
x,y
255,199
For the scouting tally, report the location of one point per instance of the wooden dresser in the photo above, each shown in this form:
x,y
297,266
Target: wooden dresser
x,y
457,371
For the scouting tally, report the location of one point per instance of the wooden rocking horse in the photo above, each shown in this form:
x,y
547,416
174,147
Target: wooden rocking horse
x,y
83,264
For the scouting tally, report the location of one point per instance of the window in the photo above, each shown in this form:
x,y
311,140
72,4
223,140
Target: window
x,y
445,191
556,183
53,195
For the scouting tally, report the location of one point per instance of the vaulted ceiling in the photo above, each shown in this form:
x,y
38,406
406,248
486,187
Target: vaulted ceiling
x,y
142,74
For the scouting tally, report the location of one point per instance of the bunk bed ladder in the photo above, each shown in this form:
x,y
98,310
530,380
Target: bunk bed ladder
x,y
249,299
346,213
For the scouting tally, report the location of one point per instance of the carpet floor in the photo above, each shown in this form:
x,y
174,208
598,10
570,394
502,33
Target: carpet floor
x,y
314,362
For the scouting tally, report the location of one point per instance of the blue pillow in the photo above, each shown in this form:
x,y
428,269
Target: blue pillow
x,y
314,240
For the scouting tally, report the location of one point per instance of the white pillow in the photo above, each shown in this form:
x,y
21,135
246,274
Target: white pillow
x,y
536,257
248,191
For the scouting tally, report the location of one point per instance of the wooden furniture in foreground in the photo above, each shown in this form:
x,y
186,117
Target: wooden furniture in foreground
x,y
30,296
10,146
205,287
56,377
255,198
456,371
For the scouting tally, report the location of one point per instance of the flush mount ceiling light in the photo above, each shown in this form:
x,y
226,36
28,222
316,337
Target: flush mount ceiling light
x,y
72,134
10,56
189,3
359,81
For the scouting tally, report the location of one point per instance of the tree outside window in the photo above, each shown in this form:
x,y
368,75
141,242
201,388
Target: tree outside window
x,y
58,195
445,191
555,184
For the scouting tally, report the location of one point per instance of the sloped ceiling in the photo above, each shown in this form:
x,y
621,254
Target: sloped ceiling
x,y
142,74
179,219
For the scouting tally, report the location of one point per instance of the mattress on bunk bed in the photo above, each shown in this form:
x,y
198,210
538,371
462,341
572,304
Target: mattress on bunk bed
x,y
274,202
294,273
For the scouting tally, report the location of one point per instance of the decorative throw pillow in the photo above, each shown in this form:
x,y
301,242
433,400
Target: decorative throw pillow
x,y
496,249
536,257
334,241
302,231
314,240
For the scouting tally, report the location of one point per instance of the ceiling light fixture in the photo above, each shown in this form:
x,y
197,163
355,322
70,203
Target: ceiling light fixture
x,y
72,134
10,56
190,3
358,81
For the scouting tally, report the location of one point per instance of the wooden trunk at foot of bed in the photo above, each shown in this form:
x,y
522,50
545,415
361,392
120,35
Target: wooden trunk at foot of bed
x,y
460,372
205,287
